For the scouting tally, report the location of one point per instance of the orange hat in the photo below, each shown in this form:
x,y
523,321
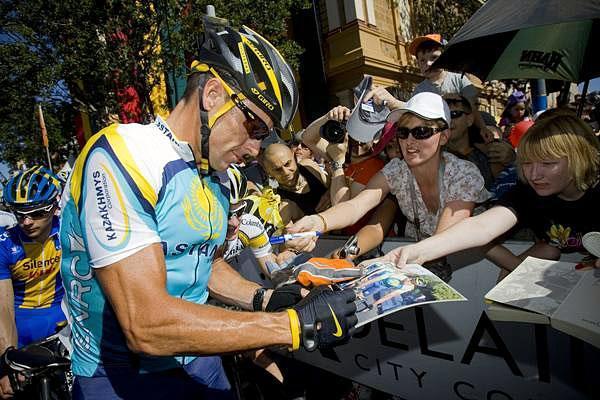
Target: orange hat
x,y
432,37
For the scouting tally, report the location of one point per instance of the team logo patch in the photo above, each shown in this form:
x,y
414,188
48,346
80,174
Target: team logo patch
x,y
112,228
200,206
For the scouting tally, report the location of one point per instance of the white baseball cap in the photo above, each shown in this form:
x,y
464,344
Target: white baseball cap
x,y
426,105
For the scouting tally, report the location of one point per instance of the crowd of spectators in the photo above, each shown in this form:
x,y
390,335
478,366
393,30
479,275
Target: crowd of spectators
x,y
433,169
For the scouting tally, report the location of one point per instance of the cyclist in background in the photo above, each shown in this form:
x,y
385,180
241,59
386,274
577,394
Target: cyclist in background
x,y
31,287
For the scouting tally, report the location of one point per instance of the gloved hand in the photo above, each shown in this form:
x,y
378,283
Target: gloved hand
x,y
252,234
4,368
323,319
284,297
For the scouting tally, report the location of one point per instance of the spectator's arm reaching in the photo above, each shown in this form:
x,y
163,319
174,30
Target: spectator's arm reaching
x,y
289,211
8,329
314,169
453,212
372,234
339,186
348,212
471,232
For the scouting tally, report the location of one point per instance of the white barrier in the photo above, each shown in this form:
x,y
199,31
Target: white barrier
x,y
453,350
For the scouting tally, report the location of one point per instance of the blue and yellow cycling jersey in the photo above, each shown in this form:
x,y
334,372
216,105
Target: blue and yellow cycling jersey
x,y
132,186
33,267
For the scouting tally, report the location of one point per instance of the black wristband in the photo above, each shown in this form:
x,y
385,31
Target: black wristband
x,y
257,300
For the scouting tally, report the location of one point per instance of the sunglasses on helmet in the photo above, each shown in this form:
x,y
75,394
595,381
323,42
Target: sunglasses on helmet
x,y
419,132
237,209
38,213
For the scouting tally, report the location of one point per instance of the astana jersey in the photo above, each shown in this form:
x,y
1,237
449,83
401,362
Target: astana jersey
x,y
134,185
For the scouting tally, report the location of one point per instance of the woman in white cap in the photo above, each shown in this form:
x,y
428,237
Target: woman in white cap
x,y
434,189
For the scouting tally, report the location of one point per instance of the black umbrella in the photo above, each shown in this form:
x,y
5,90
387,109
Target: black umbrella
x,y
528,39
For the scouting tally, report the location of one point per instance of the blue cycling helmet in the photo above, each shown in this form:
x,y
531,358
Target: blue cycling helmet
x,y
34,187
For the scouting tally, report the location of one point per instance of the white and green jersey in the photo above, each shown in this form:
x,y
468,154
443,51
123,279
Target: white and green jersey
x,y
134,185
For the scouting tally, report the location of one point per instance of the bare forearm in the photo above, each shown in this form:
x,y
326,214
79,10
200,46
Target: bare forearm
x,y
453,213
349,212
371,235
8,328
503,257
188,328
262,263
229,287
312,137
468,233
342,215
339,190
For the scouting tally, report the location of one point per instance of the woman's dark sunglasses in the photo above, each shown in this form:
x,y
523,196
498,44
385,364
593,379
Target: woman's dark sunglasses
x,y
38,213
257,128
419,132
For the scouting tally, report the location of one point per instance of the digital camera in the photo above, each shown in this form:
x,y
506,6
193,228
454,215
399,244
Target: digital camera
x,y
333,131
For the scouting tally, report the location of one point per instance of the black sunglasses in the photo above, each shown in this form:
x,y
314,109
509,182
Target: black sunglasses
x,y
39,213
419,132
457,114
257,128
237,209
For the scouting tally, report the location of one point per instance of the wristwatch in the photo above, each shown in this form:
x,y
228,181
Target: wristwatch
x,y
336,165
257,300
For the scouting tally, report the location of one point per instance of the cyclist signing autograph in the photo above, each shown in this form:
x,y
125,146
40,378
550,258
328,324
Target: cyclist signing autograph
x,y
144,221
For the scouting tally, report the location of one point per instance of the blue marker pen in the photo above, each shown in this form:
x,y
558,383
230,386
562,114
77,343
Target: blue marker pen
x,y
291,236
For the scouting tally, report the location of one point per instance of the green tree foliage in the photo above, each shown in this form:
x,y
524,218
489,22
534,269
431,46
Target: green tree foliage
x,y
442,16
77,55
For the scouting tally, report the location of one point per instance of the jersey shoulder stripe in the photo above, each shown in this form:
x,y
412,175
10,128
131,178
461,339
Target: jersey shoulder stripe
x,y
111,142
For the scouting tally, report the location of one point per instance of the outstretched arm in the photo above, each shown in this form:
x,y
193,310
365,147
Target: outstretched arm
x,y
348,212
372,234
454,212
470,232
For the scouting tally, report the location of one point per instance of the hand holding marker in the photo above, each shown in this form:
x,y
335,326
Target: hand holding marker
x,y
291,236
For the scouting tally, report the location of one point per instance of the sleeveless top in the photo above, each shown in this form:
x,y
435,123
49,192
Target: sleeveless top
x,y
306,201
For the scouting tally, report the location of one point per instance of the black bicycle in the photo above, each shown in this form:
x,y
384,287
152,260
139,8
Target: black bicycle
x,y
40,370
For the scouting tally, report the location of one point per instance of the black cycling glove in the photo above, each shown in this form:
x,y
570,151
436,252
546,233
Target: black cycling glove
x,y
4,368
284,297
324,318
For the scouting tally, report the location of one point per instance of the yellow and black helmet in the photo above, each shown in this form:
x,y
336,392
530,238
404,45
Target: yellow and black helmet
x,y
238,184
263,75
